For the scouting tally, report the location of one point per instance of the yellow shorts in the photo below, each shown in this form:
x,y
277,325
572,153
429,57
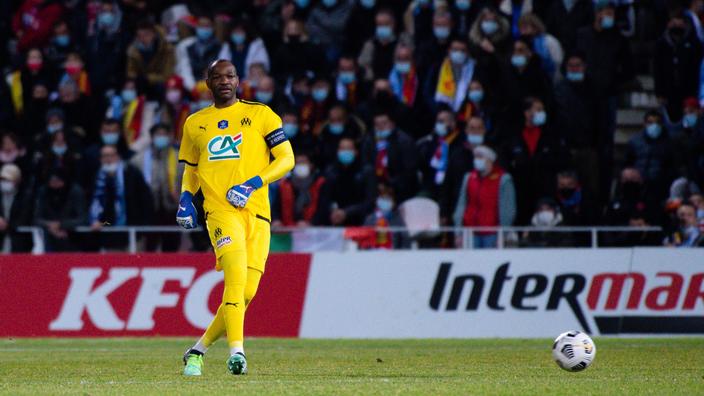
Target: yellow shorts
x,y
240,230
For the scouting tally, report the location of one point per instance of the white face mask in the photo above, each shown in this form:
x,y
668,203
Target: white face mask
x,y
301,171
480,165
545,218
7,186
173,96
110,168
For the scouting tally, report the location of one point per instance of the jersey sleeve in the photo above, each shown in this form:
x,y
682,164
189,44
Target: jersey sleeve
x,y
272,131
188,153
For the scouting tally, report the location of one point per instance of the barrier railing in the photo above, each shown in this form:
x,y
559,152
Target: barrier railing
x,y
337,238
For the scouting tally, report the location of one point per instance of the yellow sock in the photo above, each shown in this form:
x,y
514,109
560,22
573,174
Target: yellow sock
x,y
215,329
234,265
250,289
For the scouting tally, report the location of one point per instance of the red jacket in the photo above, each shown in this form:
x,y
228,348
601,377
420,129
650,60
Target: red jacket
x,y
483,199
36,23
288,200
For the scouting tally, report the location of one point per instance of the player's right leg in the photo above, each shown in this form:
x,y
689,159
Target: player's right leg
x,y
193,358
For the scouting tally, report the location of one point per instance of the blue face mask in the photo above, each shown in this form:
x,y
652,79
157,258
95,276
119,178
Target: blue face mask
x,y
689,120
653,130
440,129
238,38
346,157
519,60
110,137
489,26
106,19
607,22
161,142
329,3
441,32
480,165
385,204
384,32
462,5
458,57
367,3
575,76
475,140
62,40
264,97
302,3
475,95
336,128
59,150
290,129
53,128
128,95
347,77
539,118
204,33
320,94
382,134
402,67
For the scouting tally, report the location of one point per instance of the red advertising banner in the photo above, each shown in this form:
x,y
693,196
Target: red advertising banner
x,y
140,295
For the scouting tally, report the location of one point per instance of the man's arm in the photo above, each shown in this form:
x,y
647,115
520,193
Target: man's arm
x,y
282,164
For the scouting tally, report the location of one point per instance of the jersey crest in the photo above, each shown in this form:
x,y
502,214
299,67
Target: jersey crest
x,y
224,147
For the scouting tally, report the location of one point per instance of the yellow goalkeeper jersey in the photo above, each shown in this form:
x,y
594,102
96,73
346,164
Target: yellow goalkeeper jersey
x,y
229,146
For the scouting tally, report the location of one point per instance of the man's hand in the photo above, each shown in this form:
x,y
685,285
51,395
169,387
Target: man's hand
x,y
338,216
238,195
187,216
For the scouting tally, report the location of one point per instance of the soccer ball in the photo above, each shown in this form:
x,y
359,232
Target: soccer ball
x,y
573,350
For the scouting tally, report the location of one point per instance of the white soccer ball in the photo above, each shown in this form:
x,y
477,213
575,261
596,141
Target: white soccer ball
x,y
573,350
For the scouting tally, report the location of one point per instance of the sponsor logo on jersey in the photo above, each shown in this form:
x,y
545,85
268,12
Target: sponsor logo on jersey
x,y
222,124
226,240
224,147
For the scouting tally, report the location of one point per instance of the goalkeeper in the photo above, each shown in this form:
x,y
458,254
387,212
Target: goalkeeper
x,y
227,148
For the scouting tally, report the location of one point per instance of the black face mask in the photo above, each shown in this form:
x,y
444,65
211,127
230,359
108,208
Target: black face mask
x,y
294,39
566,192
677,32
631,190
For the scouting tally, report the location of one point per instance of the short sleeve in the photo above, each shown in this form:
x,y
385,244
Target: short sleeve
x,y
188,151
272,131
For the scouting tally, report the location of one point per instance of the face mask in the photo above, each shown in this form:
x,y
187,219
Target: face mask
x,y
290,129
106,19
110,168
345,157
238,38
575,76
264,97
544,218
53,128
34,65
161,142
367,3
173,96
59,150
462,5
539,118
73,69
689,120
653,130
489,27
301,171
336,128
144,47
440,129
347,77
62,40
7,186
329,3
302,3
441,32
110,137
458,57
519,60
475,95
128,95
382,133
607,22
384,204
566,193
475,140
204,33
700,213
384,32
480,165
402,67
320,94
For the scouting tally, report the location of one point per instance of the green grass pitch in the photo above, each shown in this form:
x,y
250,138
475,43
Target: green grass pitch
x,y
333,367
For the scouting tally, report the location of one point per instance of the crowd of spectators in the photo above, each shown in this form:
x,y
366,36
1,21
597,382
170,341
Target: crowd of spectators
x,y
501,111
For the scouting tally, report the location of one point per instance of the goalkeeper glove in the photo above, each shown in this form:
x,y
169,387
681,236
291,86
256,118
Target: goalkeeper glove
x,y
238,195
187,216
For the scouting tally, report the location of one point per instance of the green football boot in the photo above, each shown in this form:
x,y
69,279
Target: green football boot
x,y
194,364
237,364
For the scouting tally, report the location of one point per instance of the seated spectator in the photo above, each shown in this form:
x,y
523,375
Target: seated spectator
x,y
246,48
386,215
247,88
78,109
435,151
176,106
33,118
448,82
326,24
393,155
58,154
487,198
60,208
545,45
629,197
490,38
22,81
349,191
56,123
406,82
74,69
688,142
296,203
576,206
60,45
135,113
350,86
15,211
377,55
301,139
13,152
687,233
547,215
340,123
634,238
150,59
478,103
316,111
193,54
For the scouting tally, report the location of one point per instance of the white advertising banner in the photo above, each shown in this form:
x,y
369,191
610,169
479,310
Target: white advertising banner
x,y
503,293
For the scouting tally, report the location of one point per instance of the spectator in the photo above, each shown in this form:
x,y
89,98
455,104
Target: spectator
x,y
419,21
74,68
60,45
298,198
487,198
60,208
576,205
301,139
56,123
266,93
246,49
404,78
386,215
105,48
478,103
547,216
687,233
545,45
297,56
678,54
435,151
564,18
136,114
349,191
350,86
202,97
448,83
688,141
78,110
58,154
629,197
464,13
316,106
697,200
326,24
514,10
21,82
534,154
490,38
377,56
193,54
692,17
162,174
433,47
150,59
110,134
360,25
176,107
13,152
33,21
15,211
393,156
340,124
